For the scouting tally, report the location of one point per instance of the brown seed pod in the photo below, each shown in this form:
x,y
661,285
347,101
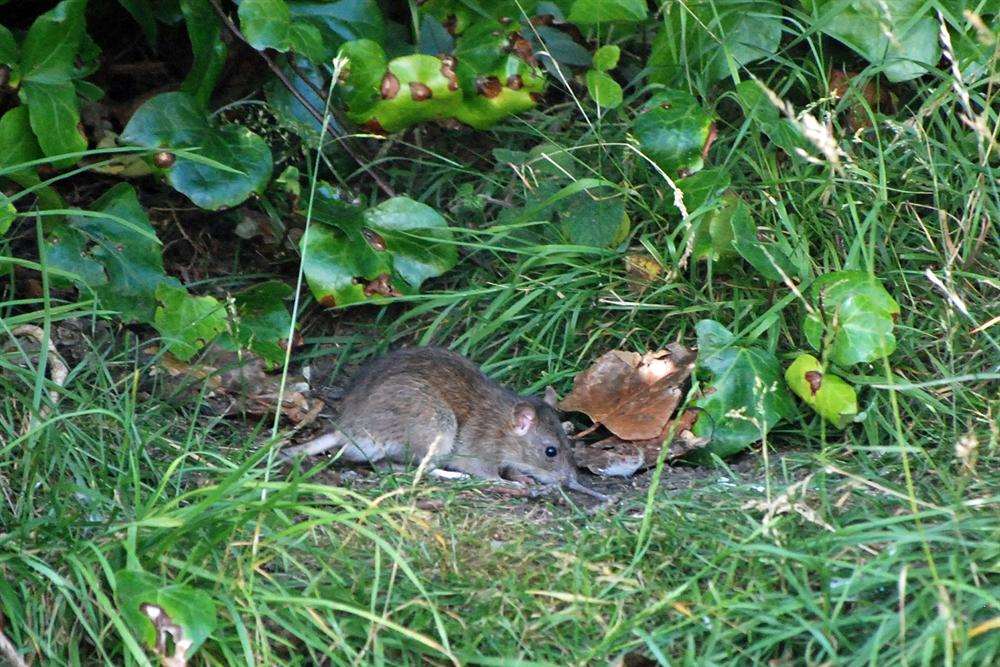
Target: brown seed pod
x,y
164,159
488,86
390,86
536,98
448,71
373,126
420,92
515,82
521,48
328,301
815,380
543,19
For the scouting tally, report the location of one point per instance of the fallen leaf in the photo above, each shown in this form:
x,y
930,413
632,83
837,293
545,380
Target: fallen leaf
x,y
238,384
633,395
614,457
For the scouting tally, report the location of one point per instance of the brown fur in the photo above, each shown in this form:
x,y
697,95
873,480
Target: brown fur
x,y
432,404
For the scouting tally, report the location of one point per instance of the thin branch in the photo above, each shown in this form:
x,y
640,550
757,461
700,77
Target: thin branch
x,y
316,114
10,653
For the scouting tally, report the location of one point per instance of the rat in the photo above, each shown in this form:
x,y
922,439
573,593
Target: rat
x,y
431,404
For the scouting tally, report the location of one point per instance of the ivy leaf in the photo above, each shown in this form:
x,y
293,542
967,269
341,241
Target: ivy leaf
x,y
416,236
48,56
209,49
744,396
899,35
190,609
175,120
17,146
52,42
187,323
832,398
589,12
341,21
674,132
707,36
604,90
117,237
854,315
767,258
397,244
606,57
267,24
335,251
9,53
434,39
597,220
263,321
560,47
765,116
55,117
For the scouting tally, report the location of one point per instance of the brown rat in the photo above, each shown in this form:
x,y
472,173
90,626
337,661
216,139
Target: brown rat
x,y
432,404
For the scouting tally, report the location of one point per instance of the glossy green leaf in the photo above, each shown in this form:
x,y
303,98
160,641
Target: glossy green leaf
x,y
175,120
267,24
187,323
54,114
713,38
673,132
191,609
366,65
743,394
561,47
401,241
114,252
595,218
606,57
341,20
434,39
832,398
899,35
335,252
205,32
588,12
854,315
262,320
9,53
50,47
604,90
417,237
18,146
713,233
48,67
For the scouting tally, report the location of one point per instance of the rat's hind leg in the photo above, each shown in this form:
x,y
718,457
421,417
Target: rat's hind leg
x,y
352,450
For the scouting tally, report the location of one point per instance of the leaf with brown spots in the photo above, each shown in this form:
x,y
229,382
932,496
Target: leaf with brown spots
x,y
633,395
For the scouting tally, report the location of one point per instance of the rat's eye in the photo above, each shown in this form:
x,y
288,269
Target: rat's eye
x,y
551,452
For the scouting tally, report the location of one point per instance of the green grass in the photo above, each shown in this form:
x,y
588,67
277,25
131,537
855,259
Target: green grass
x,y
878,545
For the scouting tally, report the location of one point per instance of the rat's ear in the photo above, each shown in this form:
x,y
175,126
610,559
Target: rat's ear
x,y
551,397
524,418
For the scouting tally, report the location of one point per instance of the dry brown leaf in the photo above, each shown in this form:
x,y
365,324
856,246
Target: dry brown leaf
x,y
614,457
239,384
633,395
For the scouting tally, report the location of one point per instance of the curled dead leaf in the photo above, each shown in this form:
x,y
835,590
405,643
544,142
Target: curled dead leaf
x,y
633,395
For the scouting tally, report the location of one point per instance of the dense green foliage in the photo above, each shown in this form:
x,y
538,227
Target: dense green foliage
x,y
532,183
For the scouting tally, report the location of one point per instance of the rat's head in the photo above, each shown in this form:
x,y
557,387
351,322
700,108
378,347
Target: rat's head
x,y
539,446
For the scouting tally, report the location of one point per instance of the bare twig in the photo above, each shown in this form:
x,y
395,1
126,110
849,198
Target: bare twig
x,y
58,370
313,111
